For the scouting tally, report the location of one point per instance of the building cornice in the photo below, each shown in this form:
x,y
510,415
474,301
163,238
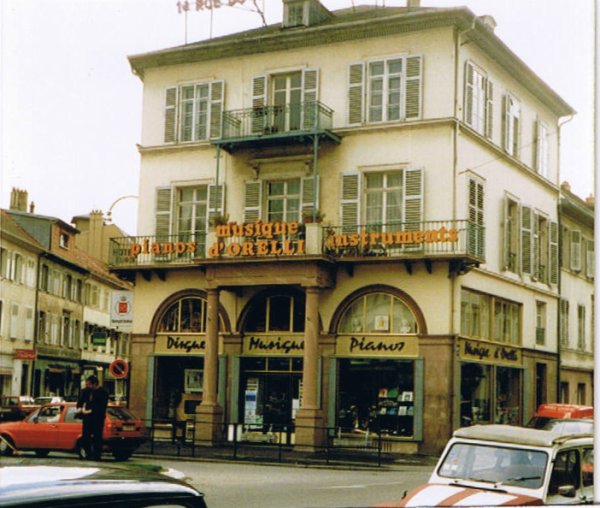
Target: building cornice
x,y
274,38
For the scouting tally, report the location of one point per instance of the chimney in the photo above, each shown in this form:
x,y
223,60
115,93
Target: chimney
x,y
489,22
32,207
413,4
96,233
18,200
590,201
565,186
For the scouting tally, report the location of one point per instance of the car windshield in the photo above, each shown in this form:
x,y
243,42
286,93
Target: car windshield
x,y
519,467
119,413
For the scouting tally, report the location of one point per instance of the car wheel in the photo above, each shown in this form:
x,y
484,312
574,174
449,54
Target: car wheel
x,y
42,453
81,451
5,446
121,455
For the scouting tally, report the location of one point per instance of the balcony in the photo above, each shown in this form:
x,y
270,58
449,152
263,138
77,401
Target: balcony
x,y
276,125
460,243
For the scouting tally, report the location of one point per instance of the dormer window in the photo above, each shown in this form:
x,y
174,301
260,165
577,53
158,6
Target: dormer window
x,y
303,13
63,240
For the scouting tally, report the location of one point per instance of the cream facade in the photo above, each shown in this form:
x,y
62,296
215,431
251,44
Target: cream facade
x,y
357,233
576,299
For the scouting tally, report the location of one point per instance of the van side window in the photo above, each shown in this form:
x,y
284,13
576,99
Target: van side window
x,y
565,471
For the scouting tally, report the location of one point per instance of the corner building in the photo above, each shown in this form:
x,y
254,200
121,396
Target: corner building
x,y
348,225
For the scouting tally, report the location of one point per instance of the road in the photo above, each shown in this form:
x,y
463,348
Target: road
x,y
251,485
229,485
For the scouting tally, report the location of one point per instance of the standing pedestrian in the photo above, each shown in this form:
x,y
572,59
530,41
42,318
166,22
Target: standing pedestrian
x,y
91,405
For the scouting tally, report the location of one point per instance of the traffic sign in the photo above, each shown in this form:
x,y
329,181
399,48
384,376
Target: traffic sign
x,y
119,368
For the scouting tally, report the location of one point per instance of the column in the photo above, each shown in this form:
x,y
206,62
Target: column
x,y
209,415
310,431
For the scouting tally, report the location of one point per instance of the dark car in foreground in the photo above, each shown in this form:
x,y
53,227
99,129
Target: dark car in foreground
x,y
92,487
54,427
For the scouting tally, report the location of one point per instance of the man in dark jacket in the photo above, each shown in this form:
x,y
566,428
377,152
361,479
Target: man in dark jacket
x,y
91,405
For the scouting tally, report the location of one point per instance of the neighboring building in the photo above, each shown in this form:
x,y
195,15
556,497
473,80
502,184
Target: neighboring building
x,y
19,255
384,186
576,318
95,234
72,302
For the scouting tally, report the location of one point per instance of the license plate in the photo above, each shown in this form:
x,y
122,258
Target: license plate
x,y
128,426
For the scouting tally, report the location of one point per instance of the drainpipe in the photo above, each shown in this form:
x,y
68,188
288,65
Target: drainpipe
x,y
315,175
36,327
457,34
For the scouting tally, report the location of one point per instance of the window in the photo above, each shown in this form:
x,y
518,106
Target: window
x,y
378,313
581,399
63,240
285,200
564,392
540,152
389,198
566,471
512,119
508,396
187,315
66,338
564,322
540,248
385,90
503,324
44,278
14,321
479,96
540,323
294,14
29,323
67,286
476,238
511,235
276,313
475,405
30,273
18,274
5,263
193,112
43,327
575,251
581,327
589,259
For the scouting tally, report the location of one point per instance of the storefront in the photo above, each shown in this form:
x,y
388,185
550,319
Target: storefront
x,y
376,376
491,383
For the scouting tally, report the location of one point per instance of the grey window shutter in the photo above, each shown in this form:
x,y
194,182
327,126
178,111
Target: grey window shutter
x,y
589,259
216,200
259,102
489,109
506,236
217,93
468,107
412,202
253,201
310,96
310,195
163,213
170,134
575,250
553,253
476,218
413,87
356,93
526,240
350,202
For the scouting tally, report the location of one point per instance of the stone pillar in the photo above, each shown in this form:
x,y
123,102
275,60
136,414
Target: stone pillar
x,y
209,415
310,431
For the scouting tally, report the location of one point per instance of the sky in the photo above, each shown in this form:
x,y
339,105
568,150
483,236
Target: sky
x,y
71,107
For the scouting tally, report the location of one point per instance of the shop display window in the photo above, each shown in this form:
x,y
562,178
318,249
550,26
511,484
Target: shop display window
x,y
475,394
379,313
276,313
376,396
187,315
508,396
178,387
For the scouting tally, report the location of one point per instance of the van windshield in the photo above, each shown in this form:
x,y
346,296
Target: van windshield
x,y
495,464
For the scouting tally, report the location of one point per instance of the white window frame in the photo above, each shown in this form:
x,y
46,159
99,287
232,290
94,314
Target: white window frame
x,y
541,153
581,342
14,321
478,100
512,125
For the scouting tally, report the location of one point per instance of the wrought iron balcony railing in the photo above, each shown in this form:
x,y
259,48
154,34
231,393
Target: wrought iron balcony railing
x,y
420,240
429,238
276,120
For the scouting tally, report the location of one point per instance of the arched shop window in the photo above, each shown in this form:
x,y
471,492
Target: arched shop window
x,y
187,315
276,313
378,313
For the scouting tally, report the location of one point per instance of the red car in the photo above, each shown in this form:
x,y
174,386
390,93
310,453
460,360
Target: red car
x,y
54,427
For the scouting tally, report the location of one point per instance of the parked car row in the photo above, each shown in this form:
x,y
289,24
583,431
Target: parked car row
x,y
54,427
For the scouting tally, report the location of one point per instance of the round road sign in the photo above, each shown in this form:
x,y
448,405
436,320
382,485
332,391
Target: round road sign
x,y
119,369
